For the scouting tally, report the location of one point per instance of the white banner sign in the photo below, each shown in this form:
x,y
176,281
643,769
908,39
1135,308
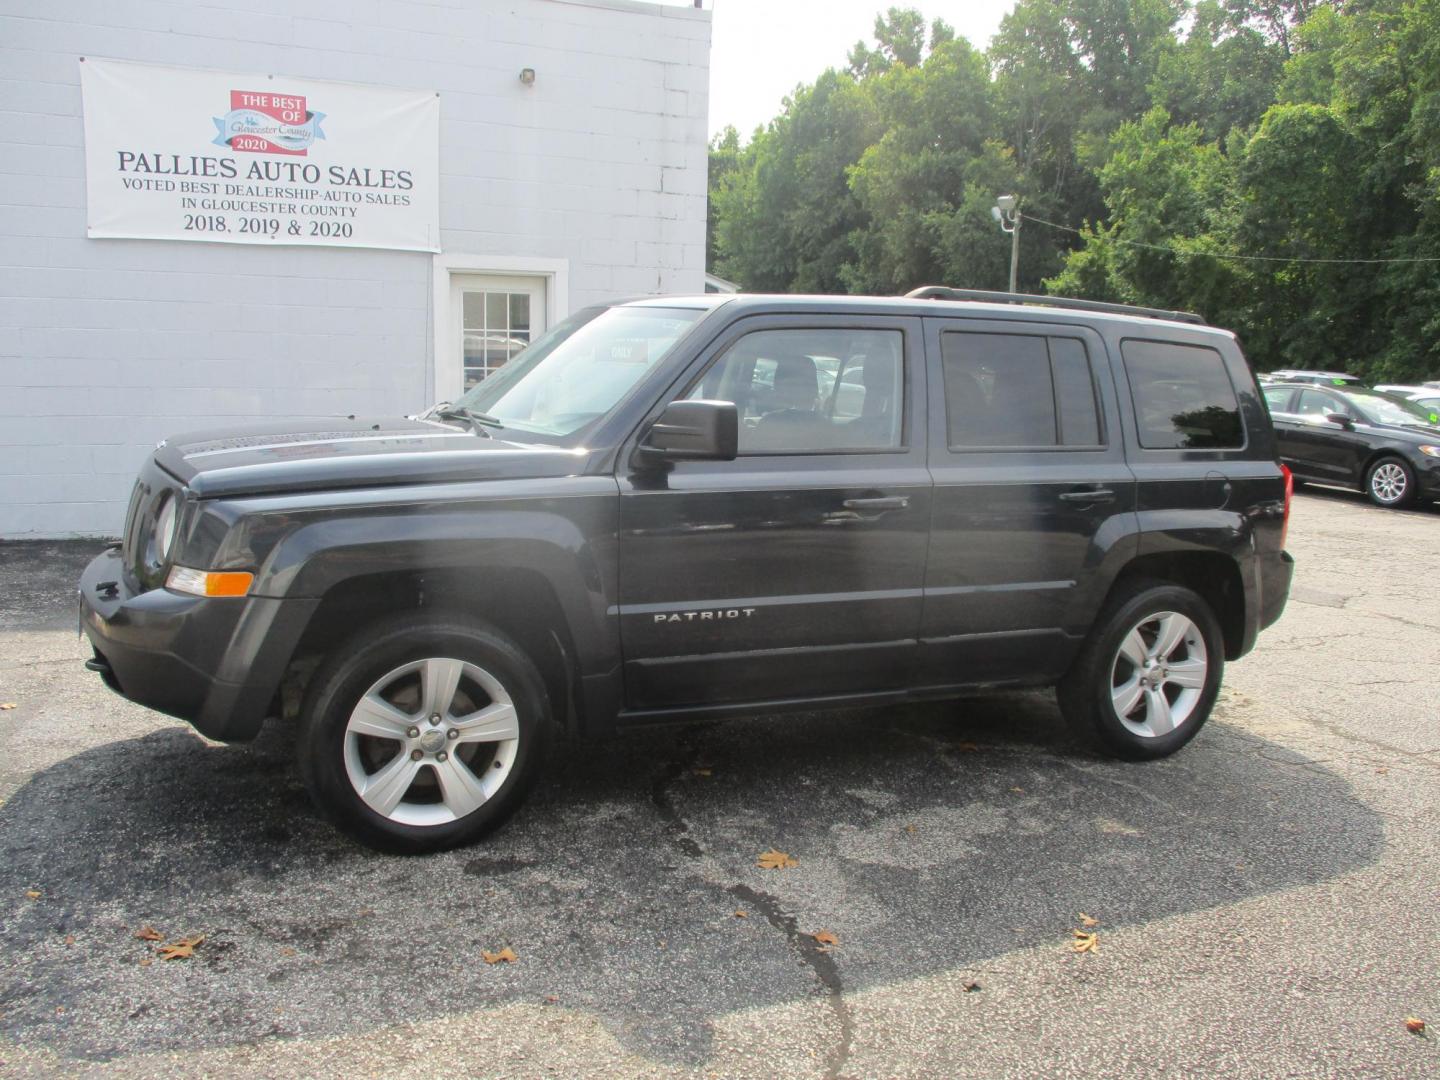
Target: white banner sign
x,y
181,154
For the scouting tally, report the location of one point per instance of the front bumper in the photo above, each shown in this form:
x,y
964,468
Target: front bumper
x,y
1427,476
216,662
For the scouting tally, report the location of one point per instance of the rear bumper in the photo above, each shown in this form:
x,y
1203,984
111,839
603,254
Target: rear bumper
x,y
215,662
1275,576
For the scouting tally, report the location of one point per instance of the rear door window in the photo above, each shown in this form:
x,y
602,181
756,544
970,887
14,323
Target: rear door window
x,y
1182,395
1018,391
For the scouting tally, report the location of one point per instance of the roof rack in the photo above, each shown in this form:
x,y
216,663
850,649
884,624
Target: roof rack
x,y
980,296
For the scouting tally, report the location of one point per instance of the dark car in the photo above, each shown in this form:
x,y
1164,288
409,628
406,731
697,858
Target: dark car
x,y
694,507
1374,442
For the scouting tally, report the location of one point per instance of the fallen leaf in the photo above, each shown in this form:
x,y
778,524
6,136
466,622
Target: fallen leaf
x,y
145,961
967,747
183,949
704,772
1087,921
741,913
1085,942
32,894
287,951
970,986
504,956
551,999
825,937
1415,1024
910,828
1018,790
775,860
7,706
148,933
69,939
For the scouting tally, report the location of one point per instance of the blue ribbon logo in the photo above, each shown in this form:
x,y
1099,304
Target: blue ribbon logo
x,y
253,122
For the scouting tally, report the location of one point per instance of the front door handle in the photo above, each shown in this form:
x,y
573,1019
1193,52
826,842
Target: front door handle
x,y
889,502
1089,495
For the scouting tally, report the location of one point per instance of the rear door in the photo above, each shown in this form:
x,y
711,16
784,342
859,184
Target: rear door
x,y
1032,497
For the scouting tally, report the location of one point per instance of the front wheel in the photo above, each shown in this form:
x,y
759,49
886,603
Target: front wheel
x,y
1390,483
422,733
1148,676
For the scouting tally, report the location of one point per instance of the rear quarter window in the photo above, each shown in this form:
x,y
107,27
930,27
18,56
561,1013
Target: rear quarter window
x,y
1183,397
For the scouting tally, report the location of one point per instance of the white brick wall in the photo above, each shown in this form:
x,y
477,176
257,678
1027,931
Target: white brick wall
x,y
106,346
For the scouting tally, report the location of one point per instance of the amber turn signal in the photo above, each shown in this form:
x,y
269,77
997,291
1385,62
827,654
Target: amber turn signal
x,y
209,582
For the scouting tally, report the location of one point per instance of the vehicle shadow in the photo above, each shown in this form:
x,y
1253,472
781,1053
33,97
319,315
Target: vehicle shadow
x,y
927,839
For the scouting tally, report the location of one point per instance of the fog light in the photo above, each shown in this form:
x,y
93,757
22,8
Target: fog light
x,y
209,582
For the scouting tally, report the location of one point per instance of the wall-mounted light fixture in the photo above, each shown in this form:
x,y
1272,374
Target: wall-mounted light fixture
x,y
527,76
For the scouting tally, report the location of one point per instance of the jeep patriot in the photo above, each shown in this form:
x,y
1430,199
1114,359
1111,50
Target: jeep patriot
x,y
692,507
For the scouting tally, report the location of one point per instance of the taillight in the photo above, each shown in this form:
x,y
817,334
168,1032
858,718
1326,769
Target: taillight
x,y
1289,495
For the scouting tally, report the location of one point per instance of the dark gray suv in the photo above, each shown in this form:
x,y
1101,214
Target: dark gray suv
x,y
694,507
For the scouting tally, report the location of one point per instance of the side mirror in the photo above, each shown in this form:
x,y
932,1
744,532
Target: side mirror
x,y
694,431
1347,422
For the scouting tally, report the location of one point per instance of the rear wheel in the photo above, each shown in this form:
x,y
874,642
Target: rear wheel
x,y
1390,483
1147,678
423,732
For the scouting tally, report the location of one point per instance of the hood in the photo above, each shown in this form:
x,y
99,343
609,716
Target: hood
x,y
280,457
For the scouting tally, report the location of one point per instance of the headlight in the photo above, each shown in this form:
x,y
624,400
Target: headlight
x,y
167,524
1430,451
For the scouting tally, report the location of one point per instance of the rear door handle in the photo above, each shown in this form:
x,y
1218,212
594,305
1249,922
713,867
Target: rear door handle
x,y
1089,495
889,502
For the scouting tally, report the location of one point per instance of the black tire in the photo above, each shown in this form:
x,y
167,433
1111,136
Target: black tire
x,y
1087,694
1385,493
375,653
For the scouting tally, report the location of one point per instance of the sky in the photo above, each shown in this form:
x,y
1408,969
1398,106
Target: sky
x,y
760,49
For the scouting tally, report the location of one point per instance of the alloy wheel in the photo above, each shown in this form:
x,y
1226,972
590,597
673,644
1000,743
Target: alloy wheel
x,y
431,741
1388,482
1158,675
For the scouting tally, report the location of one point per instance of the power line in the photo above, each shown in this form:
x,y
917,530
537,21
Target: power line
x,y
1223,255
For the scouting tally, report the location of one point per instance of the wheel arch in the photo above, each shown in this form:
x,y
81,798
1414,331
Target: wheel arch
x,y
1213,575
519,602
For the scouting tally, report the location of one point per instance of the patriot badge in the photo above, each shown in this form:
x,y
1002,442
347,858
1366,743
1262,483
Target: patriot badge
x,y
266,123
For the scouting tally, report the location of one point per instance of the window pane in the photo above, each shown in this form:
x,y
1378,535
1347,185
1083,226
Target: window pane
x,y
1074,393
495,311
474,314
1313,403
1278,397
811,390
519,311
1183,397
998,390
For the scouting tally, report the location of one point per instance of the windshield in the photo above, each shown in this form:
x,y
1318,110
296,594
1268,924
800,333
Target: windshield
x,y
1391,410
576,372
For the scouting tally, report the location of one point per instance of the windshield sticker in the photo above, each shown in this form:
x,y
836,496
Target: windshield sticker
x,y
1338,382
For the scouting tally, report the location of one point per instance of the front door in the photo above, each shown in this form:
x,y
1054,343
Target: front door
x,y
794,571
493,319
1032,495
1330,451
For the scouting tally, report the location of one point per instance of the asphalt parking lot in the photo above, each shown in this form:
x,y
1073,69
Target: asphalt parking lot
x,y
1267,902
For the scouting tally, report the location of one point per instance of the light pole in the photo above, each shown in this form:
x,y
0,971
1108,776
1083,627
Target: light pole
x,y
1006,211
